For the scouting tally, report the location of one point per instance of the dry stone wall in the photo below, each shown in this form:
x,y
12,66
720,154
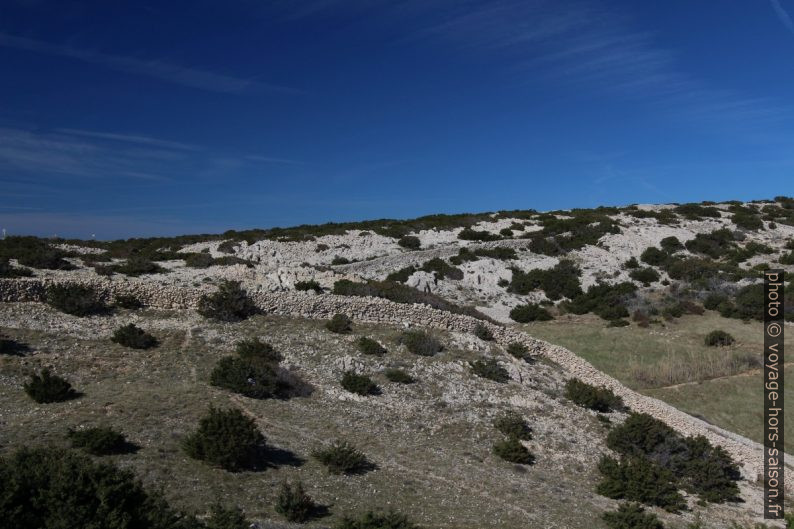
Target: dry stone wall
x,y
374,310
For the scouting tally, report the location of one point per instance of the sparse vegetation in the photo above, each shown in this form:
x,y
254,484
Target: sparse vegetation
x,y
646,275
631,516
520,351
442,270
512,424
308,285
134,337
483,333
719,338
46,388
98,441
490,369
340,324
256,350
342,458
230,303
420,343
529,312
293,503
368,346
399,376
373,520
76,300
127,301
560,281
226,438
359,384
511,449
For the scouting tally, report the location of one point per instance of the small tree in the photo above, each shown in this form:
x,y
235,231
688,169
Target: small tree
x,y
490,369
133,336
631,516
483,333
340,324
293,503
226,438
342,458
230,303
600,399
513,451
252,378
359,384
368,346
46,388
98,441
76,300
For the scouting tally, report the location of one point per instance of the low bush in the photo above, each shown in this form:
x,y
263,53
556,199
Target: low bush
x,y
410,242
560,281
12,347
490,369
8,271
230,303
696,211
372,520
714,244
226,518
506,232
631,263
76,300
641,480
340,324
631,516
787,258
468,234
226,438
529,312
33,252
511,449
402,275
134,337
464,255
398,375
747,221
646,275
342,458
337,260
258,351
500,253
513,425
255,379
420,343
45,388
127,301
719,338
483,333
671,244
51,487
600,399
442,270
199,260
293,503
227,246
98,441
308,285
653,256
138,266
520,351
359,384
368,346
607,301
714,300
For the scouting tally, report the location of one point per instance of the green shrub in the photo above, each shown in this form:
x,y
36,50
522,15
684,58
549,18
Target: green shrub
x,y
308,285
138,266
230,303
671,244
513,425
293,503
252,378
714,244
464,255
372,520
639,479
359,384
747,221
12,347
529,312
719,338
368,346
134,337
127,301
342,458
337,260
227,246
45,388
442,270
631,263
714,300
340,324
560,281
607,301
76,300
8,271
410,242
787,258
255,350
226,438
631,516
402,275
500,253
33,252
696,211
653,256
468,234
600,399
483,333
420,343
98,441
506,232
50,487
199,260
398,375
227,518
520,351
618,323
490,369
512,450
646,275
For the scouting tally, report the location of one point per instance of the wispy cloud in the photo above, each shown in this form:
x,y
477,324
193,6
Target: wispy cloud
x,y
783,15
155,68
130,138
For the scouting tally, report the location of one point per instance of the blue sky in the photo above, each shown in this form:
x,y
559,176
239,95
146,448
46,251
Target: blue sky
x,y
145,118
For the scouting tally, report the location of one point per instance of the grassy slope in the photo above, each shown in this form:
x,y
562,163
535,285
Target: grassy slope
x,y
738,405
